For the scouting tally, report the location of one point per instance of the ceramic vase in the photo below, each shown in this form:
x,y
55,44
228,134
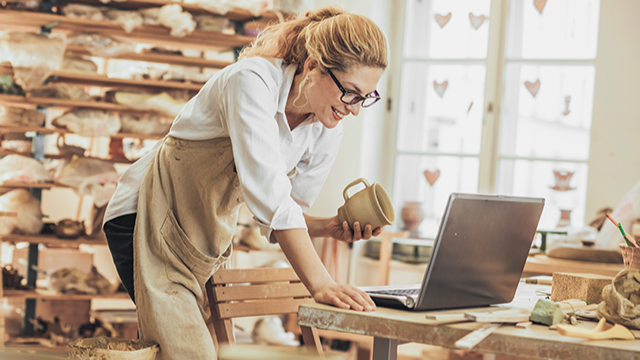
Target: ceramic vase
x,y
412,216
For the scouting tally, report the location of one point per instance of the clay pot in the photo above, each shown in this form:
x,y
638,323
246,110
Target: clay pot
x,y
412,216
630,257
69,229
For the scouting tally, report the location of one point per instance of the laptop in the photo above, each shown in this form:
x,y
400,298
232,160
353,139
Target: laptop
x,y
478,255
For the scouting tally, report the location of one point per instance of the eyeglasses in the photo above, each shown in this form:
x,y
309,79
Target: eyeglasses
x,y
351,97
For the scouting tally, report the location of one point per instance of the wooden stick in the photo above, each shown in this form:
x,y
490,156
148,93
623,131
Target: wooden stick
x,y
473,338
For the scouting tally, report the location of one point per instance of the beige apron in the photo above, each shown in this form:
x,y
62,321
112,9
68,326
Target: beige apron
x,y
187,213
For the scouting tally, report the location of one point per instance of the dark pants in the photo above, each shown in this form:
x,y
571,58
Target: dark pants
x,y
119,233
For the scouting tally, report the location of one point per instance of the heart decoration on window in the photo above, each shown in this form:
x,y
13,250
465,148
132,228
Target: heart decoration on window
x,y
533,87
567,100
431,177
440,88
443,20
539,4
477,21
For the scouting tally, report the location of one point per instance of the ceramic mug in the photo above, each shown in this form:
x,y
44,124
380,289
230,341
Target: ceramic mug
x,y
370,205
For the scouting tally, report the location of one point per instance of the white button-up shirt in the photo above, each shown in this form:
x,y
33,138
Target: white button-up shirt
x,y
281,171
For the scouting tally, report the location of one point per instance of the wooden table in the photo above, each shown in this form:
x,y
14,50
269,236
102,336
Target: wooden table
x,y
391,327
541,264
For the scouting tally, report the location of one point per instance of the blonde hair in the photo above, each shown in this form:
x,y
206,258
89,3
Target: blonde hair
x,y
334,37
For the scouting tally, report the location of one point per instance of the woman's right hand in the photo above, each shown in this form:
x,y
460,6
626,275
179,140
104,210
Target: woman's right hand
x,y
345,297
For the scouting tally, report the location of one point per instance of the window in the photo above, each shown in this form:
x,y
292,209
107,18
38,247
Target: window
x,y
515,73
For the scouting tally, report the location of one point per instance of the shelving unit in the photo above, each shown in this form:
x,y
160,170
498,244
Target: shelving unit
x,y
44,294
59,156
48,130
18,100
235,15
17,184
90,79
158,58
147,34
53,240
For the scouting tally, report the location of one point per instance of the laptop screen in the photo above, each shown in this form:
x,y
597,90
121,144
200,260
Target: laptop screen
x,y
480,251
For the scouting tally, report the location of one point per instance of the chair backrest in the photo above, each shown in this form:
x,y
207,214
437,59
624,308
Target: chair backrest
x,y
386,250
237,293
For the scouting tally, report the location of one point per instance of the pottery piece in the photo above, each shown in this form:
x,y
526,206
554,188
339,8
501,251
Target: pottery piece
x,y
69,229
630,257
602,331
371,205
412,216
443,20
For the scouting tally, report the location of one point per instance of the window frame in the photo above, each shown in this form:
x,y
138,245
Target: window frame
x,y
495,63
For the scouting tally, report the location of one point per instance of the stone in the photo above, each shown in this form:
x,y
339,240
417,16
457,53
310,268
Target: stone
x,y
547,312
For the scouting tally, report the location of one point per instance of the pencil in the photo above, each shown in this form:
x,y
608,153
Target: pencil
x,y
627,238
624,236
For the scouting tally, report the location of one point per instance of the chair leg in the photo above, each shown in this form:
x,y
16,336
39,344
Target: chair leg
x,y
311,339
223,328
384,260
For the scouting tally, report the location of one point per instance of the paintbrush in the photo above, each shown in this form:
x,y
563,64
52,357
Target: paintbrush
x,y
628,239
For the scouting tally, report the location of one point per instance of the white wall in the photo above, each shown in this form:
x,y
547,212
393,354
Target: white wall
x,y
614,162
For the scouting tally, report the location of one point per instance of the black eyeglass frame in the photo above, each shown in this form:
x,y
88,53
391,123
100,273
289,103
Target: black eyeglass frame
x,y
358,98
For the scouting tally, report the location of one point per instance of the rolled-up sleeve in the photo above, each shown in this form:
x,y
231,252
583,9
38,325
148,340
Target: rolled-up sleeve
x,y
249,105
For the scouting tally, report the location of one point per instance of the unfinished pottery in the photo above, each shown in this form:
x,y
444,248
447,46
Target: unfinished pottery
x,y
112,349
630,257
440,88
533,87
431,176
539,4
621,299
602,331
443,20
371,205
476,21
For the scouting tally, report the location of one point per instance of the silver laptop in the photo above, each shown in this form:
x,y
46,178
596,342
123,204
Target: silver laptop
x,y
478,255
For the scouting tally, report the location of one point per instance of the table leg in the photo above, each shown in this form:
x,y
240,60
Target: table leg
x,y
385,349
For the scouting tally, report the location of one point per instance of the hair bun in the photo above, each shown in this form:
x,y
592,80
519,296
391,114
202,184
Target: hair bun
x,y
324,13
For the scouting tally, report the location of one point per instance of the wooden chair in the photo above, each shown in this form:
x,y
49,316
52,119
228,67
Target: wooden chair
x,y
235,293
386,248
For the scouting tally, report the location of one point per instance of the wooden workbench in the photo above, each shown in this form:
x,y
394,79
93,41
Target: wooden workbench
x,y
390,327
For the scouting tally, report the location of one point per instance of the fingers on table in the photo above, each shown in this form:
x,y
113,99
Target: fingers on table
x,y
357,299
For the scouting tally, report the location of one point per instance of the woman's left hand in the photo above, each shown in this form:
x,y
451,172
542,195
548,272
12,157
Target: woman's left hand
x,y
342,232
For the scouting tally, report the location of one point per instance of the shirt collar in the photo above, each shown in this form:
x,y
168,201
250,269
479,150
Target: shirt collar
x,y
289,73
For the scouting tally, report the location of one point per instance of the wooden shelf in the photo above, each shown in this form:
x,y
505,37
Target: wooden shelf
x,y
32,102
237,15
50,239
59,156
158,58
147,34
50,295
19,184
89,79
46,130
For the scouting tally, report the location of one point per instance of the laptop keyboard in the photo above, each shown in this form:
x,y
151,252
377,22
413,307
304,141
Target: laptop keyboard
x,y
396,292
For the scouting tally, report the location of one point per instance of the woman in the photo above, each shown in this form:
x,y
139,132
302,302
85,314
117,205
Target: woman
x,y
264,131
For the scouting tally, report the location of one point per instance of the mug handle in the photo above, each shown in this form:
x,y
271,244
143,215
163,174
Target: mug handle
x,y
361,180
